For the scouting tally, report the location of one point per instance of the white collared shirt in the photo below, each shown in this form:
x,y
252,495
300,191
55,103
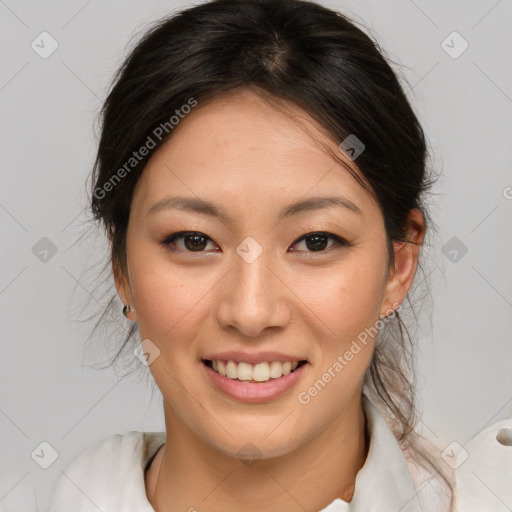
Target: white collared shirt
x,y
109,476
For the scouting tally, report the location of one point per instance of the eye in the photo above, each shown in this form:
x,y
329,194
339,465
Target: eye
x,y
194,241
318,242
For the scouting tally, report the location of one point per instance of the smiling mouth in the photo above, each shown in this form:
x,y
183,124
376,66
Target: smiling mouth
x,y
246,372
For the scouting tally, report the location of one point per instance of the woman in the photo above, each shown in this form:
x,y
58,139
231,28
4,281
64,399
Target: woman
x,y
260,176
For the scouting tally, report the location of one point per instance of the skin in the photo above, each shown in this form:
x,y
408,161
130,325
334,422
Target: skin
x,y
250,159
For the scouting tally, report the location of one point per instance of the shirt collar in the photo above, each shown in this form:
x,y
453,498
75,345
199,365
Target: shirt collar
x,y
384,483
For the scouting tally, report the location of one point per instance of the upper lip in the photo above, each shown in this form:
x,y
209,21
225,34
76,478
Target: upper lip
x,y
253,358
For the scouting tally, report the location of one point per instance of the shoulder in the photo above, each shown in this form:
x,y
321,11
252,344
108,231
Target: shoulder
x,y
413,467
99,476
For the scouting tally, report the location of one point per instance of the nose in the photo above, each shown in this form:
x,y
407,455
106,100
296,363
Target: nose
x,y
253,298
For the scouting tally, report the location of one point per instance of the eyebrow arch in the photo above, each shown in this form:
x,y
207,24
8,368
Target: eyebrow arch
x,y
203,207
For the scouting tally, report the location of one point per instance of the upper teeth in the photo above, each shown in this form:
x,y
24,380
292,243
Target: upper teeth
x,y
260,372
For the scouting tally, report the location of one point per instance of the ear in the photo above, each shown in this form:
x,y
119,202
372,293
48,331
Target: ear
x,y
401,276
124,290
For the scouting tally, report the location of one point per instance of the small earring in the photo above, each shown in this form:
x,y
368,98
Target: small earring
x,y
126,309
384,316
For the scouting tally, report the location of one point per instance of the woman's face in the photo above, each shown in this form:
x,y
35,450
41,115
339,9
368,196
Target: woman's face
x,y
249,285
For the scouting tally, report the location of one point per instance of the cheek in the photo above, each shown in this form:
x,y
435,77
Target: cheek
x,y
171,300
345,298
165,303
348,304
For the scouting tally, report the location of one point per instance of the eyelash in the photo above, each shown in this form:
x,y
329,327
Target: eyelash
x,y
339,241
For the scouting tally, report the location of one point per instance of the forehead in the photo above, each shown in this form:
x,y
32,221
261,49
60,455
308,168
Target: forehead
x,y
239,150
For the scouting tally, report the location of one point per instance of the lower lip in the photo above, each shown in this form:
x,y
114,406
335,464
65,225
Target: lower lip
x,y
255,392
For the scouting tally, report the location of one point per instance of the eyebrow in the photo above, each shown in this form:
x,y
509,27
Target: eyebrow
x,y
196,205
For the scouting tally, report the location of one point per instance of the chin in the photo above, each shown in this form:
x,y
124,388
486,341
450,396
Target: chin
x,y
256,443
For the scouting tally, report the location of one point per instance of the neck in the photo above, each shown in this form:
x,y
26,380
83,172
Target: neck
x,y
188,474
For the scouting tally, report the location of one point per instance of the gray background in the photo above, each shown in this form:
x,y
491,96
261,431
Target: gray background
x,y
48,391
